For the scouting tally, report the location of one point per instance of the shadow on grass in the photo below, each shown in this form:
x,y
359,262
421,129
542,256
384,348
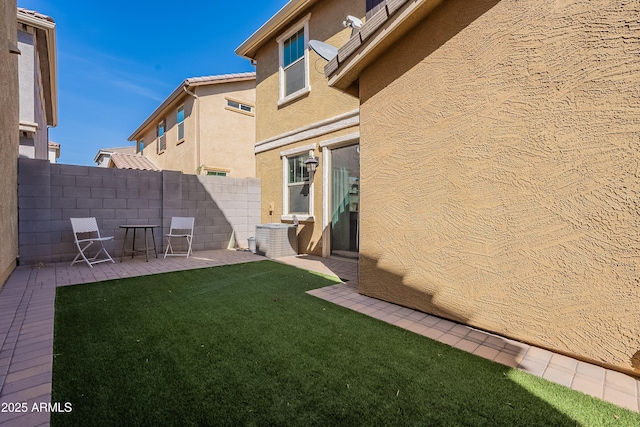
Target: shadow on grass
x,y
244,345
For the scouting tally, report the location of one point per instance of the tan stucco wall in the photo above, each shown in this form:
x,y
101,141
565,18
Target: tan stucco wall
x,y
176,156
226,137
500,149
269,170
8,141
320,104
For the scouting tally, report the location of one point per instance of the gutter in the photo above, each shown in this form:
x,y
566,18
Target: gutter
x,y
197,124
186,83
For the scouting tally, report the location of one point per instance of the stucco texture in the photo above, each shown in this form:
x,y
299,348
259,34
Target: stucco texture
x,y
8,141
500,185
269,170
322,102
226,137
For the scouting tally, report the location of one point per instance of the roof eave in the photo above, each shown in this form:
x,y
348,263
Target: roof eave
x,y
250,46
179,93
345,72
49,27
139,132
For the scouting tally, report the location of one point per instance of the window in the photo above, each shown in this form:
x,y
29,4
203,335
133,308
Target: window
x,y
294,68
298,185
216,173
141,146
162,139
237,105
180,123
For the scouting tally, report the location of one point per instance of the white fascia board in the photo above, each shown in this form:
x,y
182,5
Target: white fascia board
x,y
50,30
248,48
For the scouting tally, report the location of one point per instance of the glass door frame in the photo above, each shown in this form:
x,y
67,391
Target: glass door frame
x,y
327,146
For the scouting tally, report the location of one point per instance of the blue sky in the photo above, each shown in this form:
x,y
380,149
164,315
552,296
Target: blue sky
x,y
118,60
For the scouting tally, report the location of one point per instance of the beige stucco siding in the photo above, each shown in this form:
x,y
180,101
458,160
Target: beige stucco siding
x,y
228,136
500,147
215,136
269,170
322,102
311,112
9,119
179,156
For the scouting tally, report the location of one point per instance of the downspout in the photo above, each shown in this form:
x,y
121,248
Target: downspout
x,y
197,124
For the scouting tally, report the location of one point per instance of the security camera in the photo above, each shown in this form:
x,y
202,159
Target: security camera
x,y
353,22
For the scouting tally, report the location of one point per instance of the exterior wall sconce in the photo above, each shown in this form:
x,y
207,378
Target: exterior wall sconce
x,y
311,162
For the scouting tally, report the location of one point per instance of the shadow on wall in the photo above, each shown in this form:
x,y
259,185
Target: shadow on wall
x,y
50,194
449,18
473,372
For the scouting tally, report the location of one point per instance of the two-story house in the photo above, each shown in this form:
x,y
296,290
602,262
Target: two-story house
x,y
206,126
304,121
37,71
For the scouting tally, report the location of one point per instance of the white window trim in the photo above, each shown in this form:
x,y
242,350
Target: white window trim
x,y
250,112
286,216
164,135
327,146
304,22
184,133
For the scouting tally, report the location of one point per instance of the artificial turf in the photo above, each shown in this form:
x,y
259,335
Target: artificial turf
x,y
244,345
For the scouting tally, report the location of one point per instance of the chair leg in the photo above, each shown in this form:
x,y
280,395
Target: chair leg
x,y
168,247
81,254
169,251
91,261
106,253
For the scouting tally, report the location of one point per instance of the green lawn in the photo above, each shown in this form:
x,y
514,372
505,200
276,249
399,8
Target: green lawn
x,y
244,345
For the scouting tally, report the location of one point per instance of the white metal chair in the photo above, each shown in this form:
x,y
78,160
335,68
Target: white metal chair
x,y
86,233
185,225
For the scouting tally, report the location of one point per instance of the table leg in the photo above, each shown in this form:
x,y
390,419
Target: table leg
x,y
155,248
133,247
124,243
146,245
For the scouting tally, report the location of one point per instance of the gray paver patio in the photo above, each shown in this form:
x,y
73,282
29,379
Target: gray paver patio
x,y
27,314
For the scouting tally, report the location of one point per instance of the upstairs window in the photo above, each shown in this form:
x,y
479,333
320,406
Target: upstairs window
x,y
162,139
294,61
293,65
180,123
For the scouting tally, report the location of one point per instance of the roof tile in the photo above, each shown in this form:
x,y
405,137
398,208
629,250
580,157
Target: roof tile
x,y
132,161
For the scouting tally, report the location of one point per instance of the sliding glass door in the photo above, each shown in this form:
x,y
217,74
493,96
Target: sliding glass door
x,y
345,200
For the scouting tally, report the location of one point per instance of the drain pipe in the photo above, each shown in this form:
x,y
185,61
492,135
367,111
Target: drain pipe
x,y
197,124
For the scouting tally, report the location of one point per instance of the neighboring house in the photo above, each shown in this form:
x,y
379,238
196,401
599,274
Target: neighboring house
x,y
38,82
206,126
54,151
500,180
9,139
300,114
103,158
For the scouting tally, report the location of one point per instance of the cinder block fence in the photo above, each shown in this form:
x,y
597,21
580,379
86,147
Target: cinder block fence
x,y
225,209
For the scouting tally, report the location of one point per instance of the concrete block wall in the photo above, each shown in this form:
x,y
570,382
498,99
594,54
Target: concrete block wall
x,y
50,194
